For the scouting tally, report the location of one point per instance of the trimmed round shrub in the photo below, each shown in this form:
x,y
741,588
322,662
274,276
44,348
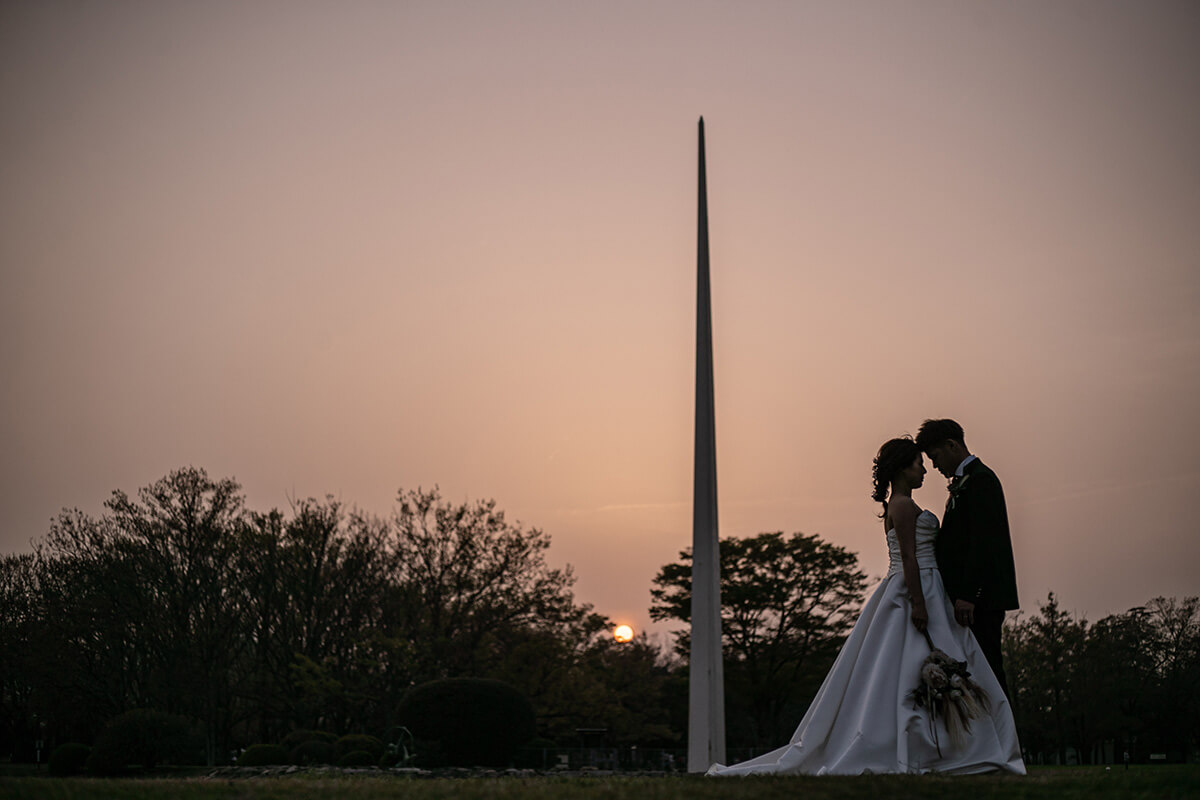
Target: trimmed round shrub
x,y
145,738
264,755
357,758
358,741
313,751
68,759
299,737
467,722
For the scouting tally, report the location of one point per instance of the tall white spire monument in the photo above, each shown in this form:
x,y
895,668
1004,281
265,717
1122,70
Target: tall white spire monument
x,y
706,679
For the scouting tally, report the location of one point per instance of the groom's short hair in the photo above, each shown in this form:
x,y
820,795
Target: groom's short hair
x,y
935,431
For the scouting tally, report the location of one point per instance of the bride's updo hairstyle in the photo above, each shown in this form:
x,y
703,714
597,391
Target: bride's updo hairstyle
x,y
895,455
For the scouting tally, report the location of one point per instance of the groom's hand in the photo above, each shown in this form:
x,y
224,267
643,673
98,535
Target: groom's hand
x,y
964,612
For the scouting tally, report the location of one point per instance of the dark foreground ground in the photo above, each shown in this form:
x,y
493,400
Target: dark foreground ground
x,y
1052,783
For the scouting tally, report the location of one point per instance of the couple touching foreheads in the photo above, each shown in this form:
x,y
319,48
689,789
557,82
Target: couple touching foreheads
x,y
946,591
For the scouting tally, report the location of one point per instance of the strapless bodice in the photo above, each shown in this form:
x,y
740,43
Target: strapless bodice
x,y
927,529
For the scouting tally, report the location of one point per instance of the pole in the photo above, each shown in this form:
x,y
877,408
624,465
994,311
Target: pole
x,y
706,679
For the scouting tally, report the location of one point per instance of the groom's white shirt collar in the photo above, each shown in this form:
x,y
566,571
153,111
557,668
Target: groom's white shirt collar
x,y
959,472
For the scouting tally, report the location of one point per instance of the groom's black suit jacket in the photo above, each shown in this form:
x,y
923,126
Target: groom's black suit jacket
x,y
974,548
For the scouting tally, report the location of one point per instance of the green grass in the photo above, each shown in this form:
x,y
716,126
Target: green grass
x,y
1051,783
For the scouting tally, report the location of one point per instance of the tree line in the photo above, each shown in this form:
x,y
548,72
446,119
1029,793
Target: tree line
x,y
254,625
1090,693
182,600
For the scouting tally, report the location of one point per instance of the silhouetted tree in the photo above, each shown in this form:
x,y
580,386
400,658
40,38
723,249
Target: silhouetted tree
x,y
467,577
318,600
787,603
186,531
1045,654
19,621
1175,646
141,607
91,652
1124,666
1128,683
180,600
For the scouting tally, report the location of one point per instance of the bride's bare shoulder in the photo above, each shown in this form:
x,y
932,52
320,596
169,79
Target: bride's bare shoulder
x,y
901,513
903,506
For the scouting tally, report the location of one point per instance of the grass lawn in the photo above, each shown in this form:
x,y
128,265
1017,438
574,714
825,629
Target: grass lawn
x,y
1051,783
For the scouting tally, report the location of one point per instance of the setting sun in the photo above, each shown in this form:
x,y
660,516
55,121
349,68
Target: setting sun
x,y
623,633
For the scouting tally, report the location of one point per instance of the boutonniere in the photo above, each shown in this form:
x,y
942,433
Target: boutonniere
x,y
956,488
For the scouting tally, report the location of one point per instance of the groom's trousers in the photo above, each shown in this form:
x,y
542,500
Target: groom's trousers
x,y
987,627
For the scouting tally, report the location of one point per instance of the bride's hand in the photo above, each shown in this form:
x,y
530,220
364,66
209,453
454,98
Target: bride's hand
x,y
920,617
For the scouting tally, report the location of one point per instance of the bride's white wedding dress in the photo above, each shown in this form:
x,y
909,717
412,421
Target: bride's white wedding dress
x,y
862,719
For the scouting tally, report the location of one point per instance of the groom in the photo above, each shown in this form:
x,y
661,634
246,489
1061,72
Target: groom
x,y
974,549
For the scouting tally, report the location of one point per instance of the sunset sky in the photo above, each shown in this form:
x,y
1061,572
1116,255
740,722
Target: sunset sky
x,y
350,247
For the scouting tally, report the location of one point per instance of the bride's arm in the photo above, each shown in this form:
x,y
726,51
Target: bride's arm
x,y
904,517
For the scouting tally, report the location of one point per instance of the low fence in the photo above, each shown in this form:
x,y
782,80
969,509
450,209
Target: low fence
x,y
630,758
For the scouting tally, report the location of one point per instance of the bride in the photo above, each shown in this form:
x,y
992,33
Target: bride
x,y
863,718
